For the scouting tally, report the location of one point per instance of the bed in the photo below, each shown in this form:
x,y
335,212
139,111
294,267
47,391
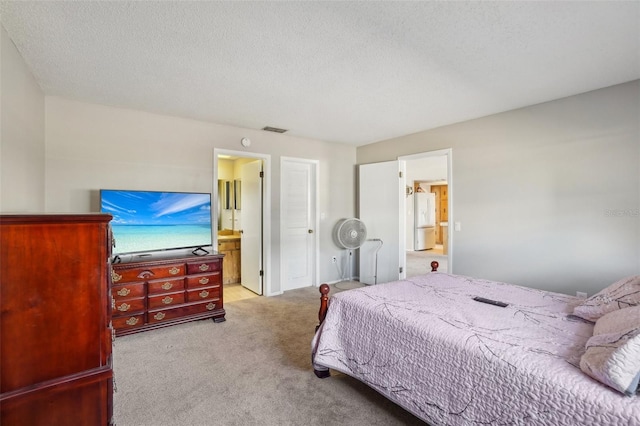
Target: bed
x,y
425,344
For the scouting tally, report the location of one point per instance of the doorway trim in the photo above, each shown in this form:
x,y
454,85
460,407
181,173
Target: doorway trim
x,y
448,152
266,208
316,212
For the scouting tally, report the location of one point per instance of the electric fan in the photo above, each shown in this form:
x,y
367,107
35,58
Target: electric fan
x,y
350,234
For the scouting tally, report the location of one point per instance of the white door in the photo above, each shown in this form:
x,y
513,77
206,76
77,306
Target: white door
x,y
298,223
251,220
381,194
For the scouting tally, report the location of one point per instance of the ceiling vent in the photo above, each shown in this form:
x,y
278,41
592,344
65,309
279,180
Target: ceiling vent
x,y
274,129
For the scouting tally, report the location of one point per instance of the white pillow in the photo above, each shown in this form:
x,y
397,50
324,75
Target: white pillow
x,y
621,294
613,352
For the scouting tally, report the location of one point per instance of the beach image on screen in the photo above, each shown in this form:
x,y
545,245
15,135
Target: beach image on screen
x,y
148,221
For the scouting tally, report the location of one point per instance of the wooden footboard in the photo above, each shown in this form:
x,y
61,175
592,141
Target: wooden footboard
x,y
324,297
324,306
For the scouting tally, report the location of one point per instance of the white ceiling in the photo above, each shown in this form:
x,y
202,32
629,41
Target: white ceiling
x,y
352,72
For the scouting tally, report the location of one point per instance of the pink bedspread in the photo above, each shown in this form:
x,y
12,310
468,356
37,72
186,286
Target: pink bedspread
x,y
426,345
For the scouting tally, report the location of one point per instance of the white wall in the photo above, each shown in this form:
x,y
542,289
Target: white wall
x,y
22,140
427,169
90,146
548,195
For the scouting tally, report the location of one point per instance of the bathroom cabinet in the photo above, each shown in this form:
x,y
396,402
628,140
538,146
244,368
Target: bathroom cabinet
x,y
230,247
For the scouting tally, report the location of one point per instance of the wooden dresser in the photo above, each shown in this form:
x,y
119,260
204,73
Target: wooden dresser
x,y
55,308
159,293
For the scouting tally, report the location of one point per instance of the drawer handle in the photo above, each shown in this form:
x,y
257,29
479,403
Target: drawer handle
x,y
174,271
211,306
123,291
204,280
167,300
124,307
115,277
167,285
132,321
203,293
159,316
204,267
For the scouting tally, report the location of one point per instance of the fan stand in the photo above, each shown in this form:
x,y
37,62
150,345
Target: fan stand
x,y
350,234
375,277
347,278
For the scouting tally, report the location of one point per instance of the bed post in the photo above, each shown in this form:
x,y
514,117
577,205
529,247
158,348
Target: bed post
x,y
434,266
324,299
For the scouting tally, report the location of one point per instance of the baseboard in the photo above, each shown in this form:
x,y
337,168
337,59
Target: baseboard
x,y
340,281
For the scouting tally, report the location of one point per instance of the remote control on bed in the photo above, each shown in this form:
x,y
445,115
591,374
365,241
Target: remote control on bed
x,y
491,302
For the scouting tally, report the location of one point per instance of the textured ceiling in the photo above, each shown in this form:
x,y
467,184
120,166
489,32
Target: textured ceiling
x,y
352,72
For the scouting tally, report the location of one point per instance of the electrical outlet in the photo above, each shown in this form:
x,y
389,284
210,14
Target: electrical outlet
x,y
581,294
334,259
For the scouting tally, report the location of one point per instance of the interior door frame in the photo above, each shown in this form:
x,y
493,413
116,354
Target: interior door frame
x,y
448,152
266,208
315,164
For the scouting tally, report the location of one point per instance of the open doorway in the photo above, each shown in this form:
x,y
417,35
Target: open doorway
x,y
427,211
386,221
242,188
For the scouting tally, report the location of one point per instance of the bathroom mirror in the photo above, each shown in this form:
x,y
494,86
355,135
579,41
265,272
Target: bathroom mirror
x,y
236,194
225,194
228,202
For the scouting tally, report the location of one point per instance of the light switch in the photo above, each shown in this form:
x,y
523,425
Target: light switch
x,y
457,226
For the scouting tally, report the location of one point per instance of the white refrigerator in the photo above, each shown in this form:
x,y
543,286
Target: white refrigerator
x,y
424,204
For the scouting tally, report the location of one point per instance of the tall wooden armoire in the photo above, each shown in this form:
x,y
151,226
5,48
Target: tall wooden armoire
x,y
55,309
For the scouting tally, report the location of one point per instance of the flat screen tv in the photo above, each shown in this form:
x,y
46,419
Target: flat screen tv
x,y
154,221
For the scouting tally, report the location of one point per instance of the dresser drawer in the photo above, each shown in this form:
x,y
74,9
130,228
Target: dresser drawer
x,y
123,274
127,321
203,294
123,307
159,316
204,280
128,291
205,266
164,286
168,299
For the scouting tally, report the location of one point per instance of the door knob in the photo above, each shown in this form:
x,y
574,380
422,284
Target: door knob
x,y
310,231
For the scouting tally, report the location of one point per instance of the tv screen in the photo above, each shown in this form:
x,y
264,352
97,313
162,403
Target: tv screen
x,y
147,221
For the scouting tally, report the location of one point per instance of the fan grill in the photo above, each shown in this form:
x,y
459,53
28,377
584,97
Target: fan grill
x,y
351,233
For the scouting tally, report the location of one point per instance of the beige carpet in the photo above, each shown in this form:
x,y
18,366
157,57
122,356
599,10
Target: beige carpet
x,y
253,369
419,262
